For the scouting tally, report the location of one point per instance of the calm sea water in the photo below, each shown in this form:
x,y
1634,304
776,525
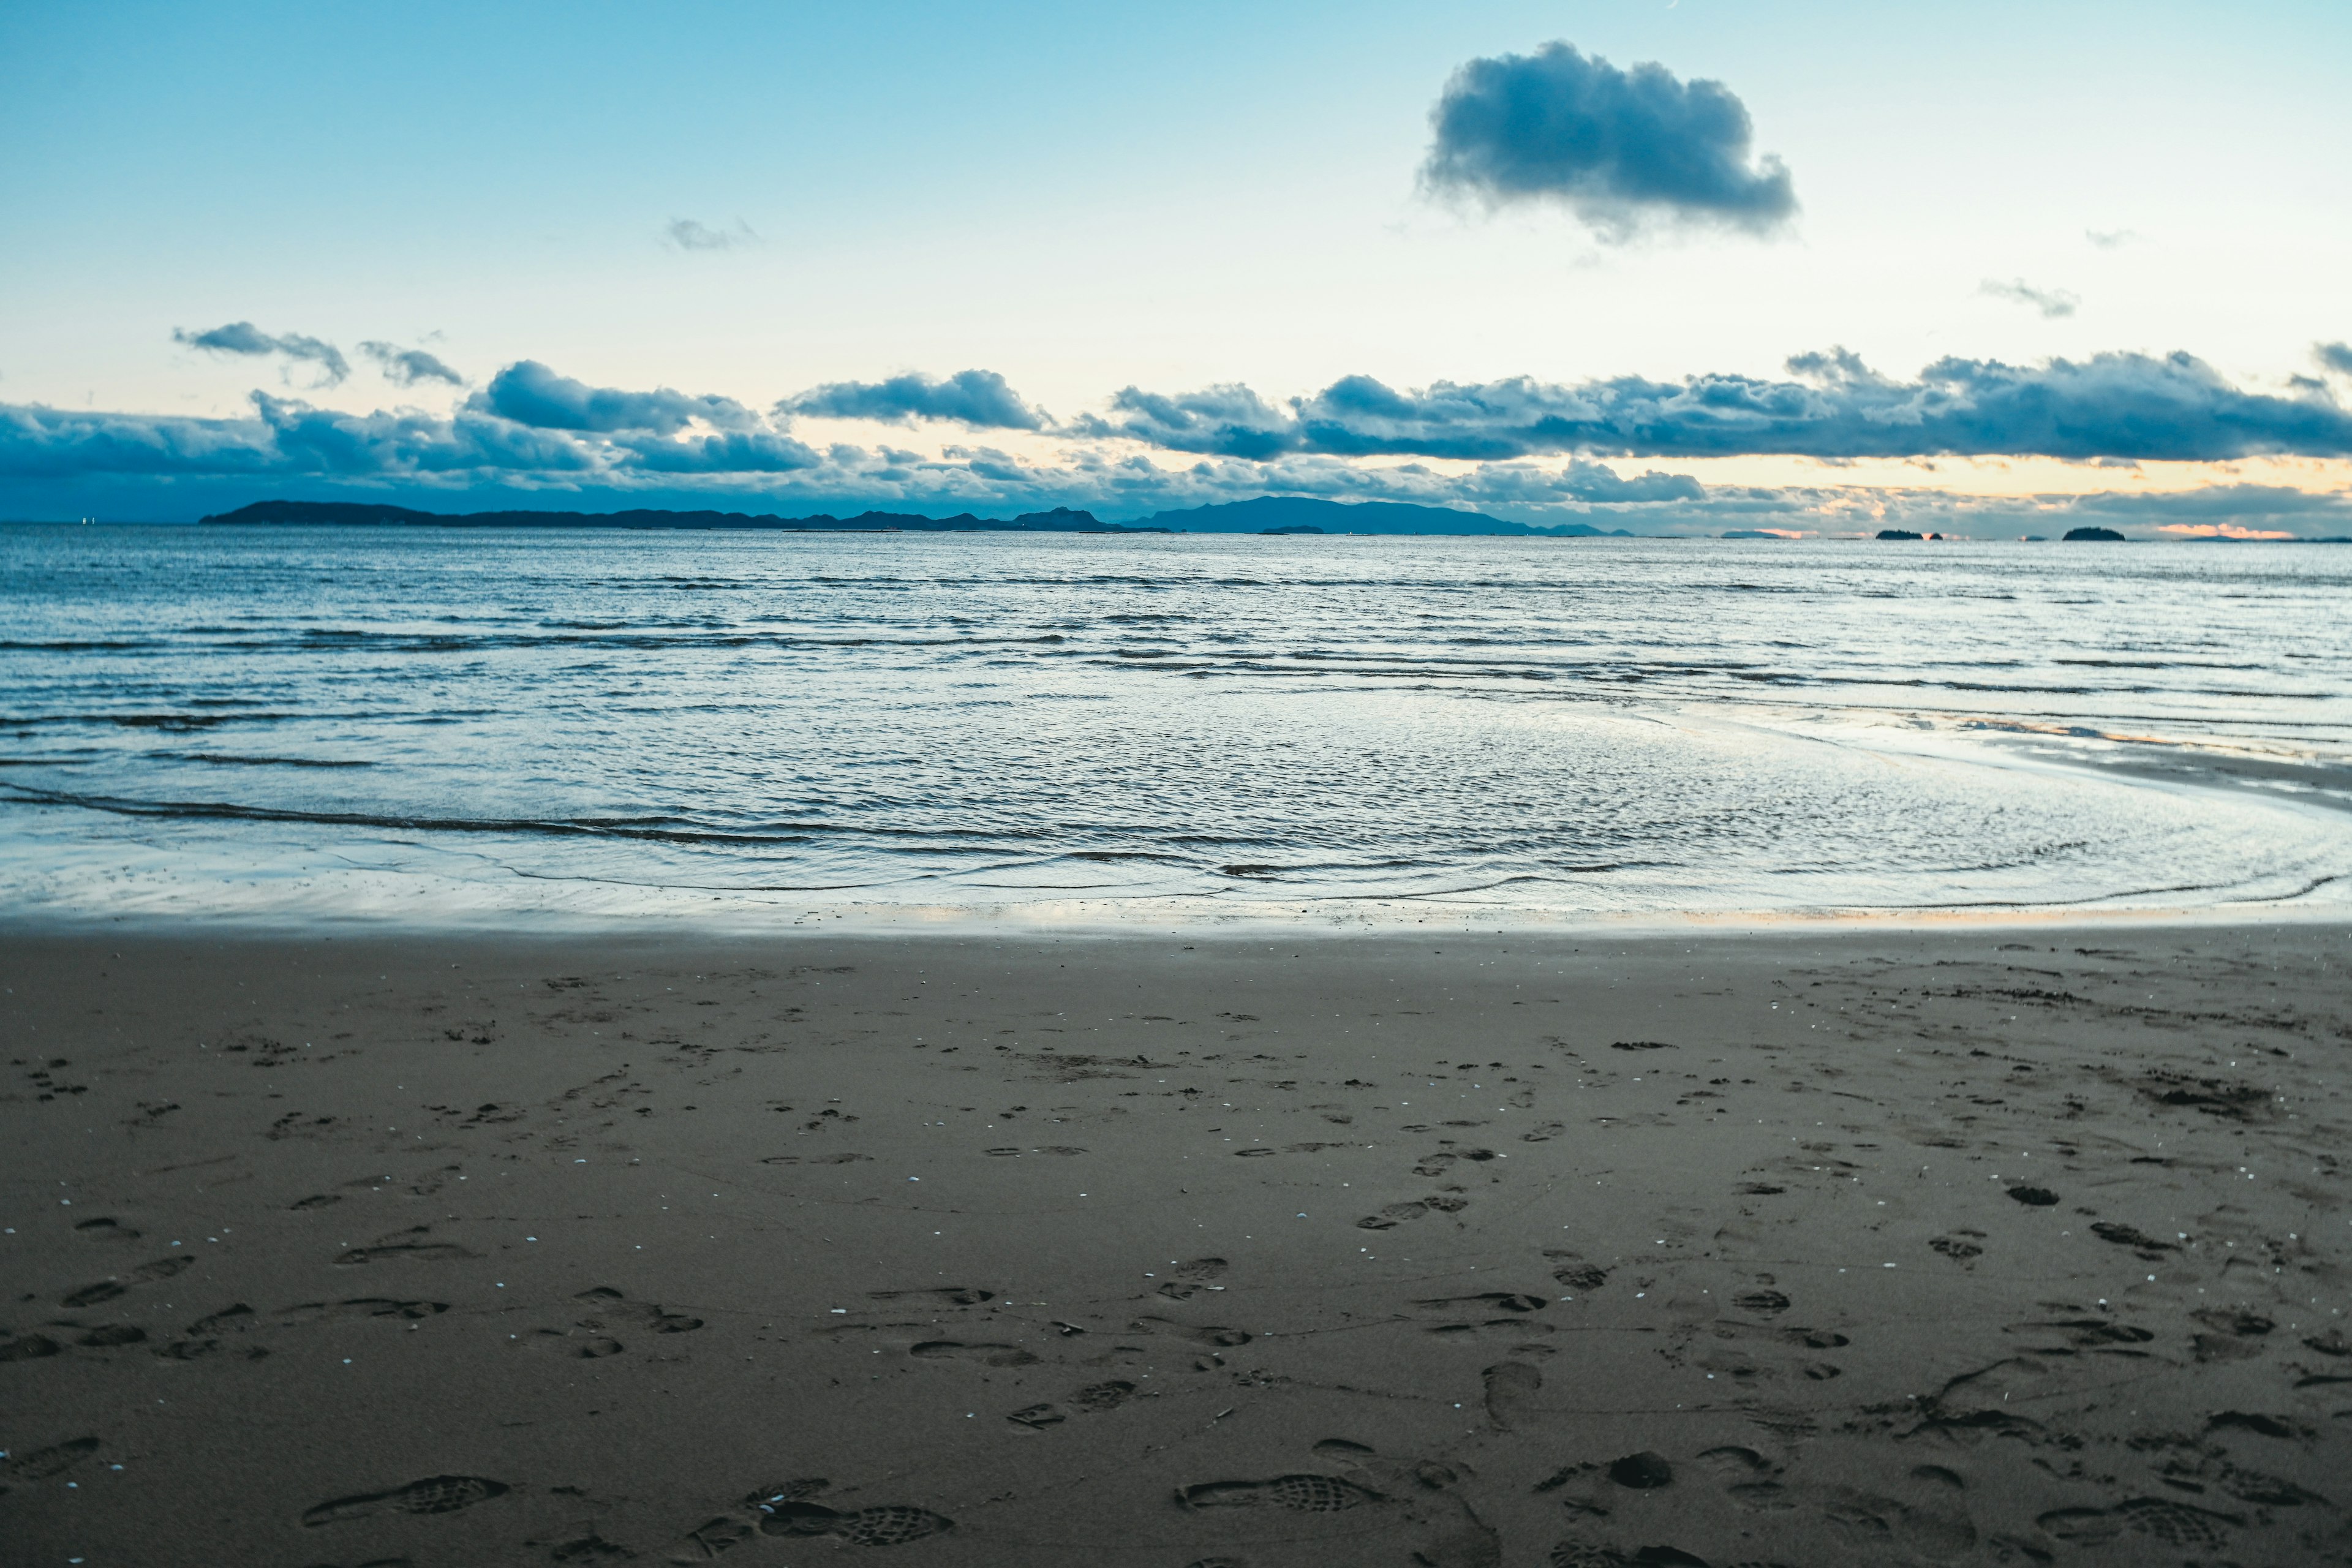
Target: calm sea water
x,y
432,725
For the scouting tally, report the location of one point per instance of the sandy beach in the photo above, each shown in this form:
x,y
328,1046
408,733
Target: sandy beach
x,y
2019,1244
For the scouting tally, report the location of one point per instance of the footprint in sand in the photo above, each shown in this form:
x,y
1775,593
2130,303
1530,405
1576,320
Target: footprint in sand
x,y
1186,1279
358,1307
1394,1215
1575,1273
607,1307
1214,1335
113,1335
1093,1399
55,1460
1511,1389
948,1295
404,1246
571,1346
1507,1315
986,1354
435,1494
893,1525
1486,1302
1304,1493
1544,1133
1746,1477
791,1509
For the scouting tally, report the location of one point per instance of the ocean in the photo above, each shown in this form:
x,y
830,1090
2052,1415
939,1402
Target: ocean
x,y
508,727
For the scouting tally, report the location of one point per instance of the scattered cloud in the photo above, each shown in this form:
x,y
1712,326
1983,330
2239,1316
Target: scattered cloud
x,y
2337,357
2112,239
407,367
978,398
2126,406
245,338
686,234
1521,449
528,393
1622,149
2051,302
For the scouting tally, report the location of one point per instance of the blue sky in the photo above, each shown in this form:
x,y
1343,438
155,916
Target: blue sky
x,y
1079,200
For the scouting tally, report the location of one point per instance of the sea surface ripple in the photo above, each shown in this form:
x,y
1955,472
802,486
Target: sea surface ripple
x,y
431,723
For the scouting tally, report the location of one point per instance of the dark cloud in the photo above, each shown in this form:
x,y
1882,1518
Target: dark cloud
x,y
978,398
729,452
245,338
688,235
528,393
2173,407
407,367
1227,420
2337,357
2051,302
1619,149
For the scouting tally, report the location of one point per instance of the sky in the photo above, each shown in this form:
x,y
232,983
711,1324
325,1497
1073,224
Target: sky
x,y
1679,266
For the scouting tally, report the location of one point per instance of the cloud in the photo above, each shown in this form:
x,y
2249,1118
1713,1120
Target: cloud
x,y
407,367
978,398
528,393
2337,357
2051,302
729,452
2111,239
245,338
2175,407
688,235
1622,149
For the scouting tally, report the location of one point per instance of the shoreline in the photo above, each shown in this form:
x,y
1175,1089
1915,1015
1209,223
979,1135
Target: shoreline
x,y
1973,1244
1113,920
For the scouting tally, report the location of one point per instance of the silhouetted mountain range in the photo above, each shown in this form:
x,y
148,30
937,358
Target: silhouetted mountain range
x,y
1293,514
1265,514
1061,520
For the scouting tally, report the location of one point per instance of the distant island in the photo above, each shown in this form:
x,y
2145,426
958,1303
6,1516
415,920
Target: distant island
x,y
2103,535
1264,514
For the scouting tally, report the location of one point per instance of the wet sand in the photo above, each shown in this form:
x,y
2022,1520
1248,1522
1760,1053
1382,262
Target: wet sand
x,y
1950,1247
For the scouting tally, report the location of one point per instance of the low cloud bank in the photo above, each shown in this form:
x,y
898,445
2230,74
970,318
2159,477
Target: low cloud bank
x,y
2173,408
1534,451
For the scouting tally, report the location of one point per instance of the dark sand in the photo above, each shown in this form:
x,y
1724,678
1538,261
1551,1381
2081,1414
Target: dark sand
x,y
1968,1246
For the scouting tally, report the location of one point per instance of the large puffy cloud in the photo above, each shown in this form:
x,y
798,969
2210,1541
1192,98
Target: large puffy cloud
x,y
1832,405
1621,149
978,398
528,393
246,339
